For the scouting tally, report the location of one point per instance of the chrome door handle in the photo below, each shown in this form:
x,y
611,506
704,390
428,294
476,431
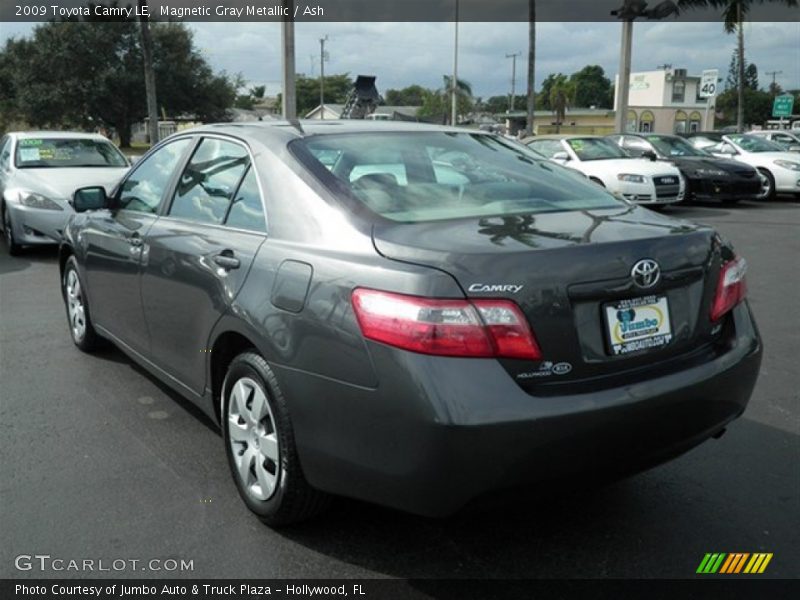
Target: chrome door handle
x,y
226,260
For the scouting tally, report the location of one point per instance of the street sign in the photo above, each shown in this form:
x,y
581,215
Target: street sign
x,y
783,106
708,83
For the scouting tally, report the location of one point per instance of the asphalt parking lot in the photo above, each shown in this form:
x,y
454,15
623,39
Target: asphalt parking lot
x,y
101,461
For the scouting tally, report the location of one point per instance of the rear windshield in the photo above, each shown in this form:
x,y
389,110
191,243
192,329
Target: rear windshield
x,y
66,153
429,176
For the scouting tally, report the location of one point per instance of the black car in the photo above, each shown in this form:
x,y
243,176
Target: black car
x,y
707,177
407,314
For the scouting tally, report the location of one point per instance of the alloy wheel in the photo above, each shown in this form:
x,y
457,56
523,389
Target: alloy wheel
x,y
75,306
253,439
766,186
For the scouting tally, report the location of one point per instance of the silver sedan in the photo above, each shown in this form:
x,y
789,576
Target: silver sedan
x,y
39,171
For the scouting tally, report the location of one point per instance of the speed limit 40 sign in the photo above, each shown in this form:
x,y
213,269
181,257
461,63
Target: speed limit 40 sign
x,y
708,83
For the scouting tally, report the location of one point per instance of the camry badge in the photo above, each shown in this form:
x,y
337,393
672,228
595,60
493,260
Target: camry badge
x,y
646,273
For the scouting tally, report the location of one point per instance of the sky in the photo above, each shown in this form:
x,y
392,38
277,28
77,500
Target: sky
x,y
401,54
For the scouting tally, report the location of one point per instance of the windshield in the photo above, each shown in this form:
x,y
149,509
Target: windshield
x,y
418,177
751,143
674,146
51,153
596,149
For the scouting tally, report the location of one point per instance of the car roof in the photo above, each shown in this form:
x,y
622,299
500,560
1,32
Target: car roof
x,y
81,135
285,131
562,136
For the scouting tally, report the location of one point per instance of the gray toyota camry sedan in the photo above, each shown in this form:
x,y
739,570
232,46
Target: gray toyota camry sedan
x,y
406,314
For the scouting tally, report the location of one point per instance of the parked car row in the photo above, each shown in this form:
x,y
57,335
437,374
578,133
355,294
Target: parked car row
x,y
657,169
779,167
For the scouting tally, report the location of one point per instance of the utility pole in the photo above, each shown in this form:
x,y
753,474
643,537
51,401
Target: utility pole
x,y
774,74
322,58
287,37
149,76
531,104
623,82
454,83
513,58
627,13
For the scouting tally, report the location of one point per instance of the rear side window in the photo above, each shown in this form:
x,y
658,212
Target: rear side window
x,y
208,183
432,175
144,188
247,211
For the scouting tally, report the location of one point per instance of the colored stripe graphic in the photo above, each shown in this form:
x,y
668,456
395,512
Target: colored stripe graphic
x,y
758,563
711,563
734,563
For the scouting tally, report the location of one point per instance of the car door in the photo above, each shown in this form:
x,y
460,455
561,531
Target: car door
x,y
199,253
113,243
5,164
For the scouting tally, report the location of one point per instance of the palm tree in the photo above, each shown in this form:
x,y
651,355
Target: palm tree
x,y
531,66
734,13
562,94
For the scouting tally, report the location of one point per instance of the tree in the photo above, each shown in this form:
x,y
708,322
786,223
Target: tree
x,y
734,14
337,87
757,106
411,95
500,104
544,94
258,91
437,105
592,87
750,74
56,82
561,97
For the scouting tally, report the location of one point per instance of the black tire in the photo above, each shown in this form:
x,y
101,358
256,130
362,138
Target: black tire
x,y
770,195
14,249
293,500
85,338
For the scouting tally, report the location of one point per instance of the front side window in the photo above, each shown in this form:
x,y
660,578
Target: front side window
x,y
208,182
596,149
752,143
429,176
143,190
674,146
547,148
54,153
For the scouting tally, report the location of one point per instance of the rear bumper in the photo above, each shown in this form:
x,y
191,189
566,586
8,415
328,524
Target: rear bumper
x,y
34,226
439,432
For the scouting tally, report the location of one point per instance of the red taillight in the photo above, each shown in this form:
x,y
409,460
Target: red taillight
x,y
731,287
483,328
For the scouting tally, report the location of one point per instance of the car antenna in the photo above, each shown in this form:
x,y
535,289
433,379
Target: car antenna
x,y
296,124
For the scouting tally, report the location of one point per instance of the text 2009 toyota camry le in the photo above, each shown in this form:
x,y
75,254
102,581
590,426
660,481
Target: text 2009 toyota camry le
x,y
410,315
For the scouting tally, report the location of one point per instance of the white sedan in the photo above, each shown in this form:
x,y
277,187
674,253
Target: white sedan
x,y
39,171
639,180
779,168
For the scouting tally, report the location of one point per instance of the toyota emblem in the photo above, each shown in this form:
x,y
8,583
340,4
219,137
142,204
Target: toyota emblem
x,y
646,273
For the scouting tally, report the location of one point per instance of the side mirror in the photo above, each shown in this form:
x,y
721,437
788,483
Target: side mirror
x,y
649,154
90,198
727,149
561,156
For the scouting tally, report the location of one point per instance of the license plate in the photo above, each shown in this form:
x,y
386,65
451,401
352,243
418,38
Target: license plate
x,y
638,324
